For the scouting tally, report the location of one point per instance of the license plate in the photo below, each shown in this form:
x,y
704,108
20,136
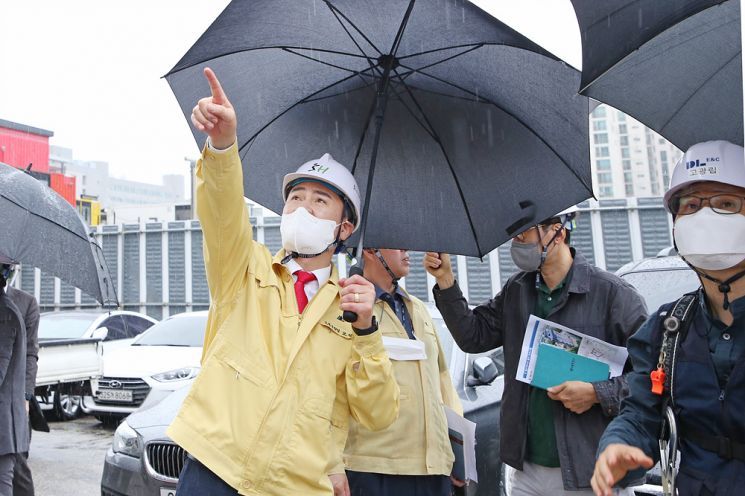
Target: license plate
x,y
114,395
164,491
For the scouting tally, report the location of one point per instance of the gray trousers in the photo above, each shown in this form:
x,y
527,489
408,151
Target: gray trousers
x,y
535,480
7,464
23,483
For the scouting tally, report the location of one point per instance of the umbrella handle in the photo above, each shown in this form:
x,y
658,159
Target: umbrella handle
x,y
348,315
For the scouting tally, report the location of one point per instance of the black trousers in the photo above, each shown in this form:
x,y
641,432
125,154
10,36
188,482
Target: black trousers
x,y
369,484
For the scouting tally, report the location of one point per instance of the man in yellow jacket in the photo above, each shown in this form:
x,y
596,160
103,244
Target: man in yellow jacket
x,y
413,455
282,373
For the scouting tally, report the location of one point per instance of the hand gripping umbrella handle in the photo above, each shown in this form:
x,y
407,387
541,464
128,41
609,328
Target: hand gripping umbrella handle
x,y
348,315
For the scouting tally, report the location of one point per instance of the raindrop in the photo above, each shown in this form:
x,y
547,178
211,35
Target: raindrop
x,y
336,128
640,18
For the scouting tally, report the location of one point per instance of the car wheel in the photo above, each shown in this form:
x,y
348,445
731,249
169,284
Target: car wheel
x,y
66,406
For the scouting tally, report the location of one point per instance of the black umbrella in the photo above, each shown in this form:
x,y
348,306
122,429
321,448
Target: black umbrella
x,y
674,65
42,230
460,130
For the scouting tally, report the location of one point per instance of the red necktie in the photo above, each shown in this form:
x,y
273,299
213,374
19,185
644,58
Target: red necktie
x,y
302,278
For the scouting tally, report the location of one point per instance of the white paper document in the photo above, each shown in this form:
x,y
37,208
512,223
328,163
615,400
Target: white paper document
x,y
463,431
544,331
403,349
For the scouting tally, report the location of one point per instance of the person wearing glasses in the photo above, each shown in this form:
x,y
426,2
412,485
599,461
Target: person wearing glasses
x,y
703,371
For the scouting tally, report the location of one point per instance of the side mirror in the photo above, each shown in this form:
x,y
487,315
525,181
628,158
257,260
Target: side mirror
x,y
100,333
483,373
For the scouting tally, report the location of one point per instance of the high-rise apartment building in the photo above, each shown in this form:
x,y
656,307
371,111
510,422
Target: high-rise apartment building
x,y
628,159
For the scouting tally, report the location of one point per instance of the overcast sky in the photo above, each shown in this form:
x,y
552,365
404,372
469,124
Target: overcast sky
x,y
90,71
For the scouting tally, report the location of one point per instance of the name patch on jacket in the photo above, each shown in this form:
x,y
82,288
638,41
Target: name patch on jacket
x,y
336,329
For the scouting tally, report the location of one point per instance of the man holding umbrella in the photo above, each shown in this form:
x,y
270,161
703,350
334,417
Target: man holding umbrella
x,y
549,437
282,372
413,455
701,373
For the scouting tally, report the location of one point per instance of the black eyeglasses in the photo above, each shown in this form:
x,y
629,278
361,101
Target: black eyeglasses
x,y
721,204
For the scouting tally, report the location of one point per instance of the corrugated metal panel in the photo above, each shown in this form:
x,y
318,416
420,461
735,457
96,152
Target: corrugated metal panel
x,y
581,237
479,280
66,293
88,301
110,247
176,269
28,279
46,295
175,309
131,269
272,237
616,238
199,290
655,230
506,266
154,269
416,281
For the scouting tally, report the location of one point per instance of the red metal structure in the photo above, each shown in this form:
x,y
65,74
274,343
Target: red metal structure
x,y
22,145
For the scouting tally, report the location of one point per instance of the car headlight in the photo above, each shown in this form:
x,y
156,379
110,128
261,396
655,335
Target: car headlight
x,y
127,441
181,374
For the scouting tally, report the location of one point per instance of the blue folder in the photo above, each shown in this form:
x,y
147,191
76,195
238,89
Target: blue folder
x,y
554,366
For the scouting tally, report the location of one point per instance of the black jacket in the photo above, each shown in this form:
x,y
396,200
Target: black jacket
x,y
596,303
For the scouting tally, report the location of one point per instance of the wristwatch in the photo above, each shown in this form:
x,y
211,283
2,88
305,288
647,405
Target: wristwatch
x,y
369,330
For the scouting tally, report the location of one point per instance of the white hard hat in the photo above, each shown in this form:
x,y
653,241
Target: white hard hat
x,y
718,161
331,173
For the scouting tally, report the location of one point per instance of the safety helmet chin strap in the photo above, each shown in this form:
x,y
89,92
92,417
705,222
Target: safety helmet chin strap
x,y
337,242
723,286
394,278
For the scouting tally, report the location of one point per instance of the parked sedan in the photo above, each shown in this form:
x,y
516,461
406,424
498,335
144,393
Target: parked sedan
x,y
161,360
115,328
144,461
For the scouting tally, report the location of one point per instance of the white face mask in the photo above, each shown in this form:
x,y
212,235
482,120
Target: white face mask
x,y
710,241
305,234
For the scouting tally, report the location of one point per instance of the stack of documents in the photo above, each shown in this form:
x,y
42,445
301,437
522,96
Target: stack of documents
x,y
553,354
463,441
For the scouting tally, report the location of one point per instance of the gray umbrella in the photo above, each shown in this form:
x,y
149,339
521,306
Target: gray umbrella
x,y
42,230
675,65
459,130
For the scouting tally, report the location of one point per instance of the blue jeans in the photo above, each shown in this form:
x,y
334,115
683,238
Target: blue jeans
x,y
197,480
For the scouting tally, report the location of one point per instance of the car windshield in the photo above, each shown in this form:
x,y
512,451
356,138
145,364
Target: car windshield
x,y
65,325
662,286
181,331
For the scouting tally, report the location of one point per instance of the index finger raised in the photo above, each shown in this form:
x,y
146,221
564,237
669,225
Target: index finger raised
x,y
218,94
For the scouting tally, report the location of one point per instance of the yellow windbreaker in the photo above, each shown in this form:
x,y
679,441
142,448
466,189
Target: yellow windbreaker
x,y
417,443
276,389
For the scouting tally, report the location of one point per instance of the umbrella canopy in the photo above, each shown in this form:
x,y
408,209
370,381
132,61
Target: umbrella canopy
x,y
475,132
42,230
675,65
